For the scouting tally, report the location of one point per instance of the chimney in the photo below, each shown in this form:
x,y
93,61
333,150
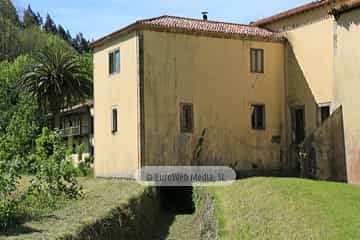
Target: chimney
x,y
205,17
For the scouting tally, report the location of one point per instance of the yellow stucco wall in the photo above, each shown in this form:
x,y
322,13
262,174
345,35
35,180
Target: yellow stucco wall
x,y
214,75
299,92
347,87
116,155
311,39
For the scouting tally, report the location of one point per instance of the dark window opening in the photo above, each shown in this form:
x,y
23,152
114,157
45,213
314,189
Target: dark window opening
x,y
187,118
114,124
325,113
258,117
114,62
298,125
257,60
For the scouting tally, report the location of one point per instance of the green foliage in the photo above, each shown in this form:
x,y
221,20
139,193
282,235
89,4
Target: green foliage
x,y
30,19
81,44
199,147
86,63
49,25
20,119
32,40
55,173
9,40
30,35
80,149
8,11
57,80
23,129
10,94
9,176
85,167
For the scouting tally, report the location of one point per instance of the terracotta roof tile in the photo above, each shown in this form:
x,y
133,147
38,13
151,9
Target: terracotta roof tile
x,y
208,26
291,12
189,25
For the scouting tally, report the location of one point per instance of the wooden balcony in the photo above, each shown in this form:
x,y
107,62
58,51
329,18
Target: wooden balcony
x,y
75,131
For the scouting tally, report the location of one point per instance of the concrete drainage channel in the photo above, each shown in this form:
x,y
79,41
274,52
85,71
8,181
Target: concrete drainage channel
x,y
159,214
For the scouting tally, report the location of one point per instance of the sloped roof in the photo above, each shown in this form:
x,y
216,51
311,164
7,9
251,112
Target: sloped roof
x,y
348,6
195,26
292,12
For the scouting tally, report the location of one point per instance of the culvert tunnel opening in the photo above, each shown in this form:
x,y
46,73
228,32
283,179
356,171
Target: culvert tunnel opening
x,y
177,200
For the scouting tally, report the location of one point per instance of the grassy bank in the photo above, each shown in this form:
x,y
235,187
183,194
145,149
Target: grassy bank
x,y
274,208
100,198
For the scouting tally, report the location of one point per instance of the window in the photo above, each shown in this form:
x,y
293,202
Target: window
x,y
114,62
257,60
298,124
258,117
114,123
324,113
186,118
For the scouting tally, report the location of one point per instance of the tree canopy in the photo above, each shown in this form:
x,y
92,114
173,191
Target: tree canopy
x,y
29,34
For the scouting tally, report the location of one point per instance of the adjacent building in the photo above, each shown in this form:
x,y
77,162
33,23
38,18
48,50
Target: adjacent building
x,y
76,127
271,97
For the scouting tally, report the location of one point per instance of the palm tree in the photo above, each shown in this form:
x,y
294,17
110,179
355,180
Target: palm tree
x,y
57,80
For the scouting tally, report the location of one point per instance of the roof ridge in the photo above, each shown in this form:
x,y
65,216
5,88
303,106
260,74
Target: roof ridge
x,y
151,19
166,22
209,21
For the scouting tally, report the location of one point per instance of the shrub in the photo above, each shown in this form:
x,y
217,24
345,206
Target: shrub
x,y
9,176
55,173
85,167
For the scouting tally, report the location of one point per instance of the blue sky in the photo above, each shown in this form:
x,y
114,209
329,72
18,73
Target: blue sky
x,y
96,18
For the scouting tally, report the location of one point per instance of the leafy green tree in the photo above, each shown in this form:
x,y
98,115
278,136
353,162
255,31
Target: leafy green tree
x,y
39,19
32,40
57,80
9,40
62,33
10,72
22,130
49,25
30,19
86,62
56,174
8,11
81,44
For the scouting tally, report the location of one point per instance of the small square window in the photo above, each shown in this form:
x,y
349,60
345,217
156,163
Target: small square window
x,y
257,60
186,118
258,117
114,122
114,62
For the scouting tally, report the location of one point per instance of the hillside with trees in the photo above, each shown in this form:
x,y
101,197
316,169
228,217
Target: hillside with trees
x,y
29,34
42,70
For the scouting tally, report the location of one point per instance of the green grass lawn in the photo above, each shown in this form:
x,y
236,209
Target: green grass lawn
x,y
100,197
275,208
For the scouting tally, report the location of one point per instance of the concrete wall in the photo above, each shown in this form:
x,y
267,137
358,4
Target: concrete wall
x,y
325,151
347,87
116,155
213,74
